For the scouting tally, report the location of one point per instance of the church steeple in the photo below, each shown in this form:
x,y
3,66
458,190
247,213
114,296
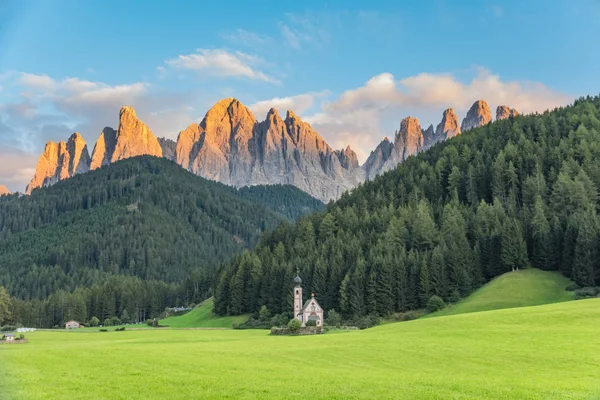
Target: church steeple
x,y
298,299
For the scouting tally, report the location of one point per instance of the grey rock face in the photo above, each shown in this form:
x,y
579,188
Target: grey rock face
x,y
448,127
504,112
478,115
60,161
232,147
168,147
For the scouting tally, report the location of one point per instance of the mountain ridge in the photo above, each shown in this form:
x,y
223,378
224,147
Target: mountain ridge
x,y
231,146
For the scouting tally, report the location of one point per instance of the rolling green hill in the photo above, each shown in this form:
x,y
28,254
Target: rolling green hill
x,y
514,193
143,216
549,352
528,287
202,317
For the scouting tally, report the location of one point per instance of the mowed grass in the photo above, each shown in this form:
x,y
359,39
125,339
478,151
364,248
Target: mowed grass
x,y
543,352
202,317
528,287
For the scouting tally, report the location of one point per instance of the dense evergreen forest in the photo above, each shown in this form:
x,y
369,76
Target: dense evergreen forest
x,y
145,218
515,193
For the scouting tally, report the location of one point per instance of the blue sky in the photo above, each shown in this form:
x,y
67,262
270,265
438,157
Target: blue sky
x,y
352,69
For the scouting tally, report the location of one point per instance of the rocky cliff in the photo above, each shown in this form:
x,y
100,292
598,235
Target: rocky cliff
x,y
408,141
60,161
503,112
231,146
169,148
448,127
4,190
134,138
478,115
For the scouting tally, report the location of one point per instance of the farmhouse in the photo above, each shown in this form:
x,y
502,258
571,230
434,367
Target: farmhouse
x,y
9,337
310,311
72,325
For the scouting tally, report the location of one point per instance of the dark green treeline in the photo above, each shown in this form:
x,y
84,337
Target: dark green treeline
x,y
517,192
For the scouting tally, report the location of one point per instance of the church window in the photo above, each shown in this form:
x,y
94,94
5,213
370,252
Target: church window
x,y
296,291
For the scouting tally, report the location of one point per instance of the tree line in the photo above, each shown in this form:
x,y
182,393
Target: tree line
x,y
515,193
143,218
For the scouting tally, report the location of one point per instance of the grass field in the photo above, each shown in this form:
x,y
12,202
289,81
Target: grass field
x,y
528,287
202,317
543,352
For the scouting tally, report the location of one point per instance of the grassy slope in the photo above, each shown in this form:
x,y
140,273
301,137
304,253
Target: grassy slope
x,y
529,287
544,352
202,317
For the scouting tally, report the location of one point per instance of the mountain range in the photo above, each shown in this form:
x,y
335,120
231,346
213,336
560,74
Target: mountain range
x,y
232,147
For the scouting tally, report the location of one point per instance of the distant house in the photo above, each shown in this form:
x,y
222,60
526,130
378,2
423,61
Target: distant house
x,y
9,337
73,325
310,311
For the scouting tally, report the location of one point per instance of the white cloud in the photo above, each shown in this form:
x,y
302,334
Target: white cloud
x,y
41,82
51,109
222,63
299,104
363,116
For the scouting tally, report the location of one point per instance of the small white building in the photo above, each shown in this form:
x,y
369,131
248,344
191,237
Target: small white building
x,y
310,311
9,337
72,325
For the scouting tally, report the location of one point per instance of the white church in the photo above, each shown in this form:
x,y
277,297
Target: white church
x,y
310,311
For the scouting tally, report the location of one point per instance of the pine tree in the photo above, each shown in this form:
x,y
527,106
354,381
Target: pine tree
x,y
514,249
585,263
540,228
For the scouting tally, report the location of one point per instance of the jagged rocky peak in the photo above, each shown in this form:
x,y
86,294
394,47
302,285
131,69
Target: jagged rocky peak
x,y
348,158
478,115
60,161
4,190
168,147
134,138
104,148
504,112
429,136
185,141
449,126
409,139
377,159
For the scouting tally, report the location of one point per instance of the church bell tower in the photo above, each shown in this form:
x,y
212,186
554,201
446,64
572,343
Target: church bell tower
x,y
298,299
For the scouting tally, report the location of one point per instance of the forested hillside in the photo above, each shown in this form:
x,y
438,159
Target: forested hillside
x,y
286,200
514,193
145,217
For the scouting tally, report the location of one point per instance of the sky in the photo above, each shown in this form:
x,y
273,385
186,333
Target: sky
x,y
351,69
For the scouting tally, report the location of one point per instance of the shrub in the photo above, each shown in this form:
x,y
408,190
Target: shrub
x,y
311,322
586,292
279,319
94,321
120,329
294,325
411,315
108,322
435,303
367,321
8,328
115,320
152,322
103,330
571,287
333,318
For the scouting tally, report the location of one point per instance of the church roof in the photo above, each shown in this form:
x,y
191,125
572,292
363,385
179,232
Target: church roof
x,y
307,303
297,280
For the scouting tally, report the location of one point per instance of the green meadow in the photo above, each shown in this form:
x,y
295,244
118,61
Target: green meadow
x,y
202,317
543,352
528,287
